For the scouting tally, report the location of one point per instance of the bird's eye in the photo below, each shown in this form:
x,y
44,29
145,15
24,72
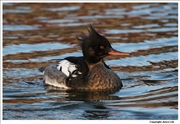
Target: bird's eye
x,y
102,47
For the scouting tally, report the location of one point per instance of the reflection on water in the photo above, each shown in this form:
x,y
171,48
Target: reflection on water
x,y
26,48
35,34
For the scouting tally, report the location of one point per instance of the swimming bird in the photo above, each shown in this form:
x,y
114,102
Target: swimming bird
x,y
88,72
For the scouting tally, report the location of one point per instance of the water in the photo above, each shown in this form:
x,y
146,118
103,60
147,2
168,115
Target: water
x,y
34,34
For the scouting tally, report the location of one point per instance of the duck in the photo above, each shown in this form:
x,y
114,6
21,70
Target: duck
x,y
88,72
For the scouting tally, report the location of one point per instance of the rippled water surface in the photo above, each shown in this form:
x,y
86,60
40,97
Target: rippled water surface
x,y
34,34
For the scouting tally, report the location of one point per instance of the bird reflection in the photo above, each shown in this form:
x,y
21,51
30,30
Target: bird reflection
x,y
75,95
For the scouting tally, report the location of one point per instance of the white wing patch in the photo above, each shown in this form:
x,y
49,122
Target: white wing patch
x,y
67,68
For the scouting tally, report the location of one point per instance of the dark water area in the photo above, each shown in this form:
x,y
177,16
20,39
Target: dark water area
x,y
36,33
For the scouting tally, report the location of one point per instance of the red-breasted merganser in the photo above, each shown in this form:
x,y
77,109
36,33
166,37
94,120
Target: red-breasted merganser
x,y
89,72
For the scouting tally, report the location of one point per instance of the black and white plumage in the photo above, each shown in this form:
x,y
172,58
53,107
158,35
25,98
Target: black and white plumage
x,y
68,68
89,72
74,68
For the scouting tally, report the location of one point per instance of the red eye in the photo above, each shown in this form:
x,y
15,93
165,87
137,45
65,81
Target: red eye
x,y
101,47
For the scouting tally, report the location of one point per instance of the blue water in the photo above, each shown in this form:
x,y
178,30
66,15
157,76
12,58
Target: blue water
x,y
35,35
